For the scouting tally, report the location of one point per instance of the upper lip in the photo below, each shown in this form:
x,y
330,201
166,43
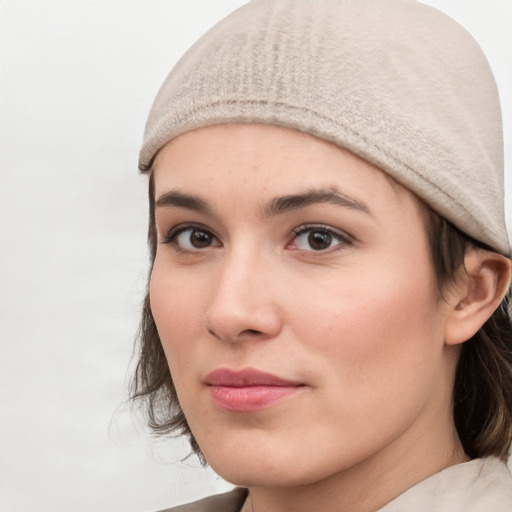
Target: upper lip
x,y
245,378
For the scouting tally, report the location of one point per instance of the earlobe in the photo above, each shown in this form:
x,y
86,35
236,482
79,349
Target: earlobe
x,y
479,290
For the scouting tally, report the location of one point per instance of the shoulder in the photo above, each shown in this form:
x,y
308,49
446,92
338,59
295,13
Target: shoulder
x,y
227,502
480,485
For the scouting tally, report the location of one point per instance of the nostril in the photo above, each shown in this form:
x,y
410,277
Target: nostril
x,y
246,332
250,331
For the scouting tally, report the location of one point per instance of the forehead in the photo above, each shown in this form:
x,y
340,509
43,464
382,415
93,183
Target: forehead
x,y
260,160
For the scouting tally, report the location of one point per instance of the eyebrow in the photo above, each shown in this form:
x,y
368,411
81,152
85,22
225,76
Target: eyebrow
x,y
284,204
181,200
274,207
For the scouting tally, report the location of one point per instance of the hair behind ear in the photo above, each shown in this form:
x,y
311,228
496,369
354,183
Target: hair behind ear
x,y
482,405
482,394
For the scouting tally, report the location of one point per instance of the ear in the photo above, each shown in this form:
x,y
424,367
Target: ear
x,y
478,291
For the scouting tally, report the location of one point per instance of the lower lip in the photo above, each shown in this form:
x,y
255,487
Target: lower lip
x,y
249,398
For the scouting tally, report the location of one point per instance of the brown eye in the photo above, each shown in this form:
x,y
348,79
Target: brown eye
x,y
319,240
193,238
310,239
200,239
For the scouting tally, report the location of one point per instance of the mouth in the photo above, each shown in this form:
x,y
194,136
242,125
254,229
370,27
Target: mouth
x,y
248,390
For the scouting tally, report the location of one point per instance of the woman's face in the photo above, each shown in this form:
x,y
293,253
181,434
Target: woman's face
x,y
296,303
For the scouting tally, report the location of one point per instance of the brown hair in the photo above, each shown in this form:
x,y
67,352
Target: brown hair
x,y
482,395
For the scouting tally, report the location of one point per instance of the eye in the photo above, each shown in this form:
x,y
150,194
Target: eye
x,y
192,238
318,239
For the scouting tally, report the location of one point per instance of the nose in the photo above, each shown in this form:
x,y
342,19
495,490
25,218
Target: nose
x,y
242,305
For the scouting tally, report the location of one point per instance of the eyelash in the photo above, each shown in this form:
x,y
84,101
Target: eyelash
x,y
171,238
343,239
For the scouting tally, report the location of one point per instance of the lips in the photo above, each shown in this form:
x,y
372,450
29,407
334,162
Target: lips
x,y
248,390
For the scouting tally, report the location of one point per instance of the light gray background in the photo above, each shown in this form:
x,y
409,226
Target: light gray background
x,y
77,81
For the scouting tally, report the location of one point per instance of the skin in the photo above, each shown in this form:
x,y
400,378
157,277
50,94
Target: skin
x,y
360,324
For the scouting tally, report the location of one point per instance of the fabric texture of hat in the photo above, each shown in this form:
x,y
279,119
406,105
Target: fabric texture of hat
x,y
396,82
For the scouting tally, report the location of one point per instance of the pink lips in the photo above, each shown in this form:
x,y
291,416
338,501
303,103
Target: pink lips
x,y
248,390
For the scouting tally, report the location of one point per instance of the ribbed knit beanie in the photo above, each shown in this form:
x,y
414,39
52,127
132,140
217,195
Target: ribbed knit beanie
x,y
396,82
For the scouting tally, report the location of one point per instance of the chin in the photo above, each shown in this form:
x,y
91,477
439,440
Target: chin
x,y
244,473
264,464
255,463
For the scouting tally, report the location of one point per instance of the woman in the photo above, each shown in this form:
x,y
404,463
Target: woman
x,y
326,318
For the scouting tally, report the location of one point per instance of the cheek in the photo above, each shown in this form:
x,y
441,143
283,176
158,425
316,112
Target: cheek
x,y
176,304
377,331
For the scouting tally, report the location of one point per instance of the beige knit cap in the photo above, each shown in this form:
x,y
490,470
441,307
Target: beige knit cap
x,y
396,82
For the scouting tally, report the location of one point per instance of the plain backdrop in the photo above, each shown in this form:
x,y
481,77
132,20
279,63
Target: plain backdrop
x,y
77,81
